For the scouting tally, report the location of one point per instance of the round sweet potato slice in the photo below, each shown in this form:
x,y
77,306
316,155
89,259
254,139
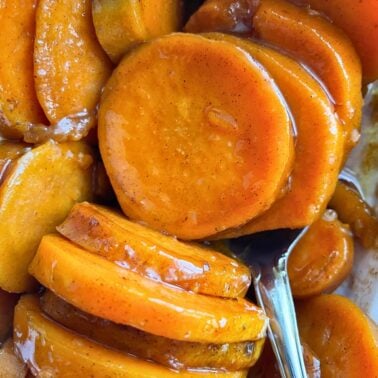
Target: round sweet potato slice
x,y
18,100
179,355
322,258
319,145
70,67
38,192
47,347
195,136
341,335
102,288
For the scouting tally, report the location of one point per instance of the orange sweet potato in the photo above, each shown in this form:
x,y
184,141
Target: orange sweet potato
x,y
18,100
341,335
322,258
49,349
9,152
151,254
10,365
324,48
103,289
353,210
70,67
7,303
208,101
359,20
319,144
123,24
37,194
179,355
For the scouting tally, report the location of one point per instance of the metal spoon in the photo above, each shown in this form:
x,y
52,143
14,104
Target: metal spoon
x,y
266,254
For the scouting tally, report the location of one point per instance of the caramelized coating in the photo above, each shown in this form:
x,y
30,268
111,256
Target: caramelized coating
x,y
154,255
324,48
341,335
122,24
7,303
18,99
50,349
319,144
179,355
103,289
70,67
322,258
353,210
212,147
38,192
359,21
10,365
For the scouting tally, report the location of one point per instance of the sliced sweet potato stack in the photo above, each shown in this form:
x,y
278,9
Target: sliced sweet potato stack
x,y
324,48
353,210
103,289
154,255
18,99
179,355
342,336
123,24
70,67
319,144
208,101
47,347
38,192
322,258
359,20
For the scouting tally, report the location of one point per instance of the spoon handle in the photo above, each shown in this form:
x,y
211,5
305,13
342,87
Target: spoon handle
x,y
274,296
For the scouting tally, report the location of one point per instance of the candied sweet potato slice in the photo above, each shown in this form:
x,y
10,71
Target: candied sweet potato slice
x,y
322,258
324,48
70,67
18,100
11,366
7,303
208,101
353,210
37,194
359,20
180,355
154,255
342,336
103,289
47,347
319,144
123,24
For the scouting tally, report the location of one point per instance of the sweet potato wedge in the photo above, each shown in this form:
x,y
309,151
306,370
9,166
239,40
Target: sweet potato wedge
x,y
341,335
353,210
103,289
7,303
104,232
48,348
208,101
70,67
37,194
123,24
18,99
10,365
9,152
179,355
322,258
359,20
324,48
319,145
